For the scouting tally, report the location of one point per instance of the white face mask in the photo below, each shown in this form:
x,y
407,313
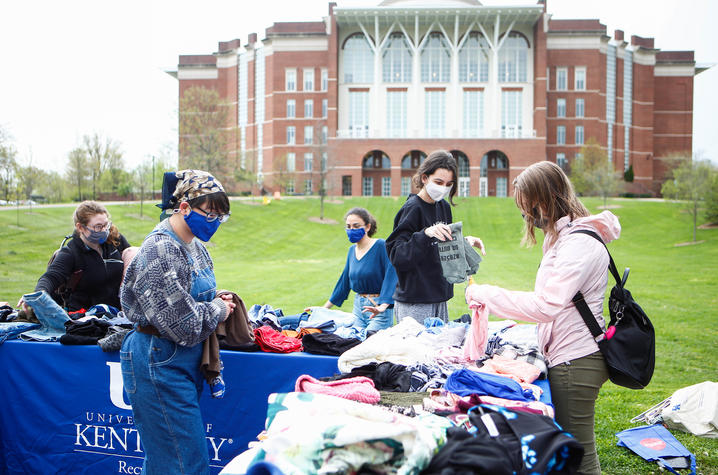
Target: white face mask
x,y
437,192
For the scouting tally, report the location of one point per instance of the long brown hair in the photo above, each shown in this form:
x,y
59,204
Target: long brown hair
x,y
544,192
438,159
86,210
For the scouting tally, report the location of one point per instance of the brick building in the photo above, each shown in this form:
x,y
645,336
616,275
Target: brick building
x,y
354,102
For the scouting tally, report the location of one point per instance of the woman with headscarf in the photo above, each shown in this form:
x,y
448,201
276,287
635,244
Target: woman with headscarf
x,y
169,292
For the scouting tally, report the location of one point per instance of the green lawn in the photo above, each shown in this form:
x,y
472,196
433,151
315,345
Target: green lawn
x,y
274,254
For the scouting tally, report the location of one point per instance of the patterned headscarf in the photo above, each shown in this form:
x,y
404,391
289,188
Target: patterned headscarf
x,y
195,183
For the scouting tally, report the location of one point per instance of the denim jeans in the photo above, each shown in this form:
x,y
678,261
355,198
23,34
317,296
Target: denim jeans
x,y
291,322
9,330
364,319
164,384
51,316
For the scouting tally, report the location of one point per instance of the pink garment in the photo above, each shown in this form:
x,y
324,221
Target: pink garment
x,y
519,371
570,263
478,334
359,388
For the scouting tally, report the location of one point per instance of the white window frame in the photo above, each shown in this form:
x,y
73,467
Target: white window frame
x,y
405,185
291,162
308,135
579,138
435,113
579,80
308,108
308,187
561,79
358,114
325,134
561,135
581,109
325,107
473,107
396,113
290,79
324,79
367,186
291,109
561,160
308,79
308,161
386,186
289,188
560,107
291,135
503,187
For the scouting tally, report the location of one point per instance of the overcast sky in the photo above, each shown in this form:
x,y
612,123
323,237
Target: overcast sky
x,y
83,66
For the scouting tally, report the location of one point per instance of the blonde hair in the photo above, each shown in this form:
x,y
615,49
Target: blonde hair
x,y
86,210
544,192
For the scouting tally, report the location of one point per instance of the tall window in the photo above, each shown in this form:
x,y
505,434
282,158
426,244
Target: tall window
x,y
307,187
579,79
511,113
309,108
561,160
561,79
358,60
308,135
291,162
289,189
435,59
308,74
359,113
325,79
325,107
396,59
579,108
325,134
367,186
291,108
290,79
325,162
291,135
473,113
561,135
560,107
405,185
434,113
501,187
474,59
308,160
513,59
579,135
396,117
385,186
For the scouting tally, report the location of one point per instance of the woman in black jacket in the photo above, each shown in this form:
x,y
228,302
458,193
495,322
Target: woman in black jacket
x,y
90,266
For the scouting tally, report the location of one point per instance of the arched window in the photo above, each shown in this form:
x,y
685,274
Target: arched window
x,y
435,59
412,160
376,159
358,60
474,59
513,59
397,59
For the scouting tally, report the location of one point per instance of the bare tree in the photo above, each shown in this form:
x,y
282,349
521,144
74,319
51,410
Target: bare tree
x,y
691,181
8,164
102,154
325,163
284,172
77,169
203,131
592,172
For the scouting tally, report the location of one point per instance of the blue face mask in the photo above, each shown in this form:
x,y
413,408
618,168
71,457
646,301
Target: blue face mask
x,y
200,227
97,237
355,235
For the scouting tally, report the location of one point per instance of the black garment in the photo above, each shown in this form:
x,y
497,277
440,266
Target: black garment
x,y
84,333
327,344
522,444
386,376
101,276
414,254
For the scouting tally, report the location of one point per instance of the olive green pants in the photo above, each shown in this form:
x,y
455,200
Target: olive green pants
x,y
574,390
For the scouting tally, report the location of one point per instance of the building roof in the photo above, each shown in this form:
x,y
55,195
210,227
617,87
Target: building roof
x,y
576,26
296,28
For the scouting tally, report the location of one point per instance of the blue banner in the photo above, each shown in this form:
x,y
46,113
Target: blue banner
x,y
63,409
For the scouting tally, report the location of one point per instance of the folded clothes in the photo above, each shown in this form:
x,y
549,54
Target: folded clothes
x,y
465,382
359,388
327,344
271,340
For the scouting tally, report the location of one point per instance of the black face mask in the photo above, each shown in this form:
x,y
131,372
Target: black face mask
x,y
538,223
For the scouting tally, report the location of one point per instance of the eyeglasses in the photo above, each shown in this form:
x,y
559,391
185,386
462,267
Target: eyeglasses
x,y
100,227
210,217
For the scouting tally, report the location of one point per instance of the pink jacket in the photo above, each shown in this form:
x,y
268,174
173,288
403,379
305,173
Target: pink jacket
x,y
571,263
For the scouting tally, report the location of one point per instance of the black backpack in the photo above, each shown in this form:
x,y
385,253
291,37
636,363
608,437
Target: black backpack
x,y
629,349
63,292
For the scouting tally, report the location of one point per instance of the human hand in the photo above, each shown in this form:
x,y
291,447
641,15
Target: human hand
x,y
375,310
21,303
440,231
476,242
227,298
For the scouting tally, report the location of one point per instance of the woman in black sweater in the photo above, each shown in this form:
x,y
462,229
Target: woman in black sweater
x,y
423,221
95,250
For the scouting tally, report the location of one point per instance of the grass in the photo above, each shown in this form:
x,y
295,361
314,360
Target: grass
x,y
274,254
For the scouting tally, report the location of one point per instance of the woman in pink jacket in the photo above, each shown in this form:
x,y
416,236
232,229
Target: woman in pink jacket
x,y
571,262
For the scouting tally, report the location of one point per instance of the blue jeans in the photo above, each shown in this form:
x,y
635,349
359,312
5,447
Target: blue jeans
x,y
364,320
10,330
51,316
164,384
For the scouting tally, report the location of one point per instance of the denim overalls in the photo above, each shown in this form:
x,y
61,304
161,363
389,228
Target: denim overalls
x,y
163,382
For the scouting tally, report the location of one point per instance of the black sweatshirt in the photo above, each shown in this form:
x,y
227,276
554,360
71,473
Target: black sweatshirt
x,y
415,256
101,276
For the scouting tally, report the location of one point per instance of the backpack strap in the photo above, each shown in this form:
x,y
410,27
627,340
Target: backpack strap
x,y
578,299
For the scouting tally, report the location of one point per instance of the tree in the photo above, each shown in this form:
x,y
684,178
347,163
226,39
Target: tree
x,y
102,154
77,169
690,181
8,165
712,201
203,131
592,172
284,173
322,153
